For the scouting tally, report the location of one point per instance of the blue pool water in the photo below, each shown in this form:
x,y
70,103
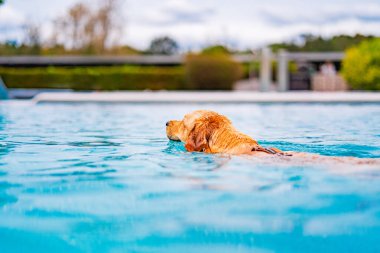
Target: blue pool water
x,y
104,178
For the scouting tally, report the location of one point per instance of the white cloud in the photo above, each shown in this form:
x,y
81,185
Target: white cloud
x,y
322,13
174,12
10,17
11,22
195,23
252,24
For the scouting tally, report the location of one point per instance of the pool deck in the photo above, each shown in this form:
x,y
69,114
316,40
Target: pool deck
x,y
208,97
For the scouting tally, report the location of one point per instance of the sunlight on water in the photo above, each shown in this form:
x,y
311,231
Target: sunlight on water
x,y
104,178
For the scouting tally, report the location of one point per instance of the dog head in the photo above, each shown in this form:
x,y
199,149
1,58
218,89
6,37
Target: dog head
x,y
195,129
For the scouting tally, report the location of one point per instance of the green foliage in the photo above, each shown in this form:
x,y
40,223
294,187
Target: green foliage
x,y
212,72
96,78
216,50
201,72
361,66
252,69
12,48
163,45
312,43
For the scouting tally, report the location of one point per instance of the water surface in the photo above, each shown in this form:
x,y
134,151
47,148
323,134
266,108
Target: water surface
x,y
104,178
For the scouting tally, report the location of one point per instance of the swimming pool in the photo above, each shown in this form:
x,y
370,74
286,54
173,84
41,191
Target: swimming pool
x,y
104,178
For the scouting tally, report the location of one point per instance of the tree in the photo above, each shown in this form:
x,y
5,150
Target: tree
x,y
107,22
32,38
1,2
163,45
71,29
361,65
88,29
312,43
77,19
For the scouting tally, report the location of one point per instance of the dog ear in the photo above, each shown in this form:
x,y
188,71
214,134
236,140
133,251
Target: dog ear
x,y
198,138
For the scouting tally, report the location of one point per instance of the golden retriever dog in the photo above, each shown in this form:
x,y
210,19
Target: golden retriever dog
x,y
210,132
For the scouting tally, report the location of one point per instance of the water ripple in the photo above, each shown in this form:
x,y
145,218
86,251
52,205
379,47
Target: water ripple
x,y
105,178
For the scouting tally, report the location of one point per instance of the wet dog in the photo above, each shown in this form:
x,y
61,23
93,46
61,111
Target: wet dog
x,y
211,132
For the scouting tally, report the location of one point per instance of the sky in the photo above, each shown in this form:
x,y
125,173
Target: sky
x,y
194,24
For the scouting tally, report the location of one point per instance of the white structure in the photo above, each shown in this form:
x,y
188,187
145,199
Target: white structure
x,y
266,69
283,57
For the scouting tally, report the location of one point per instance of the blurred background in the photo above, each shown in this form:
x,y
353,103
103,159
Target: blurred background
x,y
268,45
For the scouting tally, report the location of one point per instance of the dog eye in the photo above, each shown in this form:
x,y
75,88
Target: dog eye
x,y
167,123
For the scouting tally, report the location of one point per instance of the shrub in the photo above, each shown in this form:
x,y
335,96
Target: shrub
x,y
361,66
96,78
216,50
212,72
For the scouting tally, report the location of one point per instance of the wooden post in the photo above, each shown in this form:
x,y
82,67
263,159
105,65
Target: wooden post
x,y
265,69
282,71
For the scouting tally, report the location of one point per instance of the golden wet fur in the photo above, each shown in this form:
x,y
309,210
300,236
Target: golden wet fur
x,y
210,132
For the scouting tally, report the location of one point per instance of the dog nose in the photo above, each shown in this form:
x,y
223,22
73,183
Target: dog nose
x,y
167,123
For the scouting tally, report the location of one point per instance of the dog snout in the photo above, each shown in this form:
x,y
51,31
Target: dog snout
x,y
167,123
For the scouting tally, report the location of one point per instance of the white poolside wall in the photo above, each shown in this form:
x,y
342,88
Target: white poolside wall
x,y
209,97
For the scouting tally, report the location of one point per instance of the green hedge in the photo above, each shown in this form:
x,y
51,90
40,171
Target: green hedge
x,y
203,72
212,72
96,78
361,66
